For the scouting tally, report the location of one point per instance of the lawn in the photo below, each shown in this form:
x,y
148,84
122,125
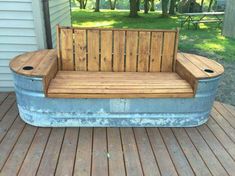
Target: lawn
x,y
206,41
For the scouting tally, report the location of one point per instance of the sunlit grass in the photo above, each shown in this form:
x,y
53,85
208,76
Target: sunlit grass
x,y
206,41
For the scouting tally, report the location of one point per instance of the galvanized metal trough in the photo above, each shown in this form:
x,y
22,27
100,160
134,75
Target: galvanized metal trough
x,y
38,110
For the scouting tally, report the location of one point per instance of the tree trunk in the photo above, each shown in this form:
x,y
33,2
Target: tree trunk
x,y
229,22
138,5
85,3
172,7
133,8
146,6
201,8
152,7
112,4
164,8
209,8
97,5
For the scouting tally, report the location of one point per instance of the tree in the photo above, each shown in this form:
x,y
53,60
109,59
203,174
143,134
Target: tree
x,y
112,4
229,22
82,3
138,5
164,8
202,2
152,5
210,5
97,5
172,7
146,6
133,8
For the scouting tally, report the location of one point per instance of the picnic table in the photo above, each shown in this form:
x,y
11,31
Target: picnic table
x,y
201,17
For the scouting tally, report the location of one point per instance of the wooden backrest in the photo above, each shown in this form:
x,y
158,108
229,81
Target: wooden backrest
x,y
118,50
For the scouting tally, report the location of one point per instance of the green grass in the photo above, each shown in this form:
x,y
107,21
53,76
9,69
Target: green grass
x,y
206,41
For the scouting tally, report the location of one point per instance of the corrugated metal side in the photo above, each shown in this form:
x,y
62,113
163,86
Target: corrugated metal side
x,y
59,14
18,34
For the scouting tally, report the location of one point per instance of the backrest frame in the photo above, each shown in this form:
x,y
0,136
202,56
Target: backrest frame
x,y
118,50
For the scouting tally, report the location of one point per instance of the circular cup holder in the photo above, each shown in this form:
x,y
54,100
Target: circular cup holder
x,y
208,70
28,68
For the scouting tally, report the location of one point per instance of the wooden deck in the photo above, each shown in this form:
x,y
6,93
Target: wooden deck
x,y
205,150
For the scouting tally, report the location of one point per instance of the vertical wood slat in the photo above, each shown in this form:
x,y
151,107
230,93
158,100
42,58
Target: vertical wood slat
x,y
144,46
131,50
93,50
119,49
67,49
168,52
106,51
156,52
80,50
58,46
176,48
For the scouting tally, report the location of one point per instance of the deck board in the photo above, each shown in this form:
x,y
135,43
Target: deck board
x,y
205,150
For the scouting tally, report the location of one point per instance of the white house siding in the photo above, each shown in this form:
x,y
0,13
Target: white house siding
x,y
21,30
59,14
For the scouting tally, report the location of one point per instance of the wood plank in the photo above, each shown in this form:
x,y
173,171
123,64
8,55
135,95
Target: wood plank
x,y
80,47
229,130
46,64
84,152
144,48
118,51
3,96
6,105
178,157
8,120
17,62
195,69
227,162
119,95
33,62
106,50
168,51
99,154
122,29
119,91
19,152
67,49
201,65
156,52
147,75
9,140
160,151
67,155
147,158
208,156
225,113
58,47
228,144
93,50
131,50
191,152
131,157
51,154
115,152
35,153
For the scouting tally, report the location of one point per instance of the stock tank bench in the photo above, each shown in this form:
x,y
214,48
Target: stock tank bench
x,y
115,78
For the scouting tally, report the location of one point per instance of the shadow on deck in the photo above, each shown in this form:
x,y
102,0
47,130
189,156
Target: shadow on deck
x,y
205,150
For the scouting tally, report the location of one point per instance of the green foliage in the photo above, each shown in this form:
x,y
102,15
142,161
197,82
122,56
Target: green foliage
x,y
205,41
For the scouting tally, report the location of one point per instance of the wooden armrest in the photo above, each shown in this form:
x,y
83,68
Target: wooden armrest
x,y
192,67
42,63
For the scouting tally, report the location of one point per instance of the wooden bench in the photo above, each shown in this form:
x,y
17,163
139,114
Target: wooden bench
x,y
110,74
197,22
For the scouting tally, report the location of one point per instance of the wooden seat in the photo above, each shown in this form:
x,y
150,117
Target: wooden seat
x,y
78,84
